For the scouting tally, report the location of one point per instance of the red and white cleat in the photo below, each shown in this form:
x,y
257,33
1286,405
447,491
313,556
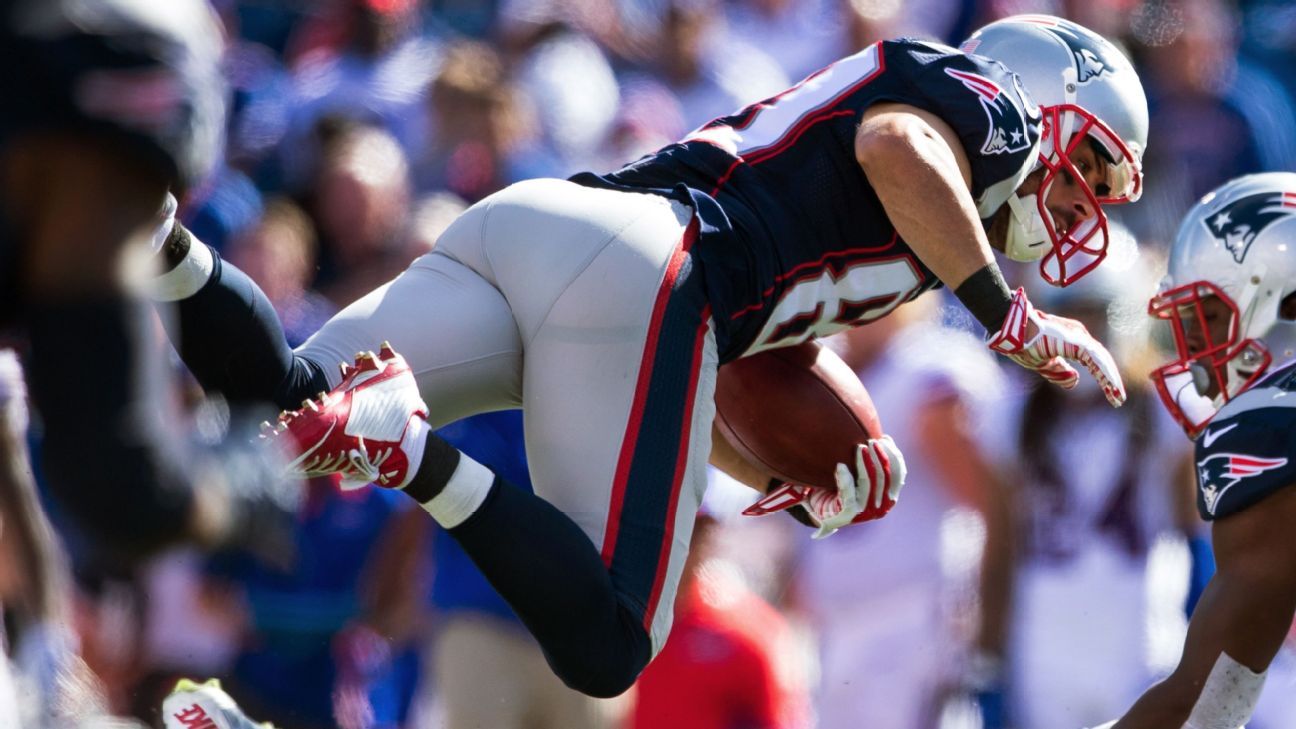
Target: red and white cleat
x,y
370,428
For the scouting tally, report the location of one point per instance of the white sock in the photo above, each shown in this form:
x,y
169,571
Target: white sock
x,y
463,493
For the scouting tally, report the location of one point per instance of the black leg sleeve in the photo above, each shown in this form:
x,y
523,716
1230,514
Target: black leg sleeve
x,y
109,461
551,574
231,339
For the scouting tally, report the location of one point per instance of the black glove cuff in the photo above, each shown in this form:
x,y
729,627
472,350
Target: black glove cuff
x,y
797,511
986,295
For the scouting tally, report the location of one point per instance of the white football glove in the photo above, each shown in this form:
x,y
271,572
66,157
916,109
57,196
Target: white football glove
x,y
1056,340
867,494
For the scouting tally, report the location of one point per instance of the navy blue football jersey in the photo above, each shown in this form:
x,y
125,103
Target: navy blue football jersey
x,y
794,242
1249,449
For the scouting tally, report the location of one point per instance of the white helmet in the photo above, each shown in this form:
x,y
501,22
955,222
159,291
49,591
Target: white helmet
x,y
1238,245
1087,90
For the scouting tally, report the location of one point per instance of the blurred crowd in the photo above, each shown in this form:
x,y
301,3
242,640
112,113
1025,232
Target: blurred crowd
x,y
1038,570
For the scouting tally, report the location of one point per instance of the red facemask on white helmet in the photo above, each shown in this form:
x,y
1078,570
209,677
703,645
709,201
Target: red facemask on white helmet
x,y
1232,265
1088,93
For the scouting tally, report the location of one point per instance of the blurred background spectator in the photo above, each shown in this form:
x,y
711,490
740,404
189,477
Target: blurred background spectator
x,y
917,574
360,128
726,662
1102,505
484,668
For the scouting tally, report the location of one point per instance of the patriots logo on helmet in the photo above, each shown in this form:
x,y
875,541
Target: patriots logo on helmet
x,y
1237,224
1220,472
1087,49
1008,131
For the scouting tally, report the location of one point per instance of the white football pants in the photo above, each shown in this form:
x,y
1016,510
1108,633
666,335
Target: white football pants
x,y
583,307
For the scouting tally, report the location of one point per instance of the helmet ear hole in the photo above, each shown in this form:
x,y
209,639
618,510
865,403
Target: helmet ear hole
x,y
1287,309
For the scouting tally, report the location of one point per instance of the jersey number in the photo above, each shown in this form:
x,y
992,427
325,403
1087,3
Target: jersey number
x,y
761,129
829,303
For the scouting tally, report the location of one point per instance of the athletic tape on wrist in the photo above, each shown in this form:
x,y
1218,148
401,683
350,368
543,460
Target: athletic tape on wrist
x,y
1228,697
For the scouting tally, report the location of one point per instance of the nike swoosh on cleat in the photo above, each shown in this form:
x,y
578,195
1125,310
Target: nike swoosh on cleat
x,y
298,460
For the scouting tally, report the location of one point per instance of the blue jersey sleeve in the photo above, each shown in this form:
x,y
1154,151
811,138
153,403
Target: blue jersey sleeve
x,y
986,106
1242,459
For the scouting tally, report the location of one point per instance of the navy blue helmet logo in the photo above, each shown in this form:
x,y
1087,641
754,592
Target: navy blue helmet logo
x,y
1008,132
1088,50
1237,224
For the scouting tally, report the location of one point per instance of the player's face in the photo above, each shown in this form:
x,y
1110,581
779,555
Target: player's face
x,y
1212,327
1205,328
1066,198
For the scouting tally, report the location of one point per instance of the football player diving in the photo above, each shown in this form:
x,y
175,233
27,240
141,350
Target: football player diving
x,y
604,305
1230,301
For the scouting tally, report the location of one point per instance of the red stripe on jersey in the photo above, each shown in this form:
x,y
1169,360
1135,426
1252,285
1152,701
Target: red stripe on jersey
x,y
641,390
984,87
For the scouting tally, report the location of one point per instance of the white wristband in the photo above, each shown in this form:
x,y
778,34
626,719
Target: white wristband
x,y
187,278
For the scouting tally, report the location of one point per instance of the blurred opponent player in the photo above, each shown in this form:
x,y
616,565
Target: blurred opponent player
x,y
106,105
604,305
1230,298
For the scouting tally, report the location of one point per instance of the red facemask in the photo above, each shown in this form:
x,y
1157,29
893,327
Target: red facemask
x,y
1184,308
1079,249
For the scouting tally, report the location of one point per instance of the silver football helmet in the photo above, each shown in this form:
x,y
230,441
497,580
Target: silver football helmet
x,y
1087,90
1237,245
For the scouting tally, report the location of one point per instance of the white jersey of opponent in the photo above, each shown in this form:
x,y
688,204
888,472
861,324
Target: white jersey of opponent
x,y
1099,590
909,571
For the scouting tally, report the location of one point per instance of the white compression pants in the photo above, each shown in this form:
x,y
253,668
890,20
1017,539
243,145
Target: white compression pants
x,y
573,303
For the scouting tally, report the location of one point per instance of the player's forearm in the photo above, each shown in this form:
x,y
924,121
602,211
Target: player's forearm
x,y
725,458
916,173
1238,626
1160,707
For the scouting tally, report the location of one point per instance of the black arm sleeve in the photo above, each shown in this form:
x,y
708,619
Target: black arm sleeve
x,y
108,459
231,339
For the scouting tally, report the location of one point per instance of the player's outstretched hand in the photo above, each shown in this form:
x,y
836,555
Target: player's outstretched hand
x,y
1055,340
867,494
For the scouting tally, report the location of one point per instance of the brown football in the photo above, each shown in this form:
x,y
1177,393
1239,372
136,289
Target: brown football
x,y
795,412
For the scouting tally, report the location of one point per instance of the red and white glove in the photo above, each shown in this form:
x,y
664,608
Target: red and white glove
x,y
867,494
1056,340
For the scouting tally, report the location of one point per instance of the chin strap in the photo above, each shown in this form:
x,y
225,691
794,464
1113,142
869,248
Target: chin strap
x,y
1027,239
